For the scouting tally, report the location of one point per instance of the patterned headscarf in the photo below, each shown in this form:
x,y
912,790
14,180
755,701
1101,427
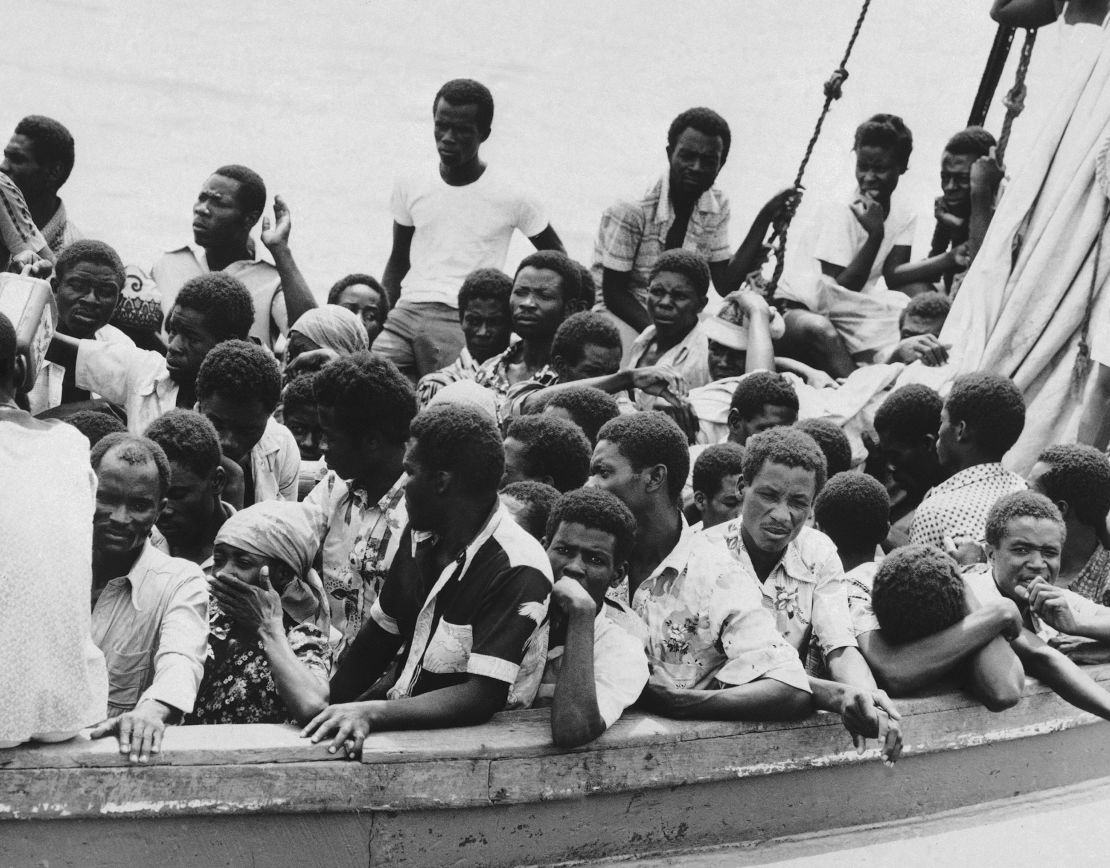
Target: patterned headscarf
x,y
333,327
280,529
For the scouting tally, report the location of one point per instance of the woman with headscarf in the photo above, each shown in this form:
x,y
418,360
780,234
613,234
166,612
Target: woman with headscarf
x,y
328,327
268,655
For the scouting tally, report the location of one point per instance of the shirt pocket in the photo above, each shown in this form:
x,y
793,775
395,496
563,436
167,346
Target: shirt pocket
x,y
449,650
128,673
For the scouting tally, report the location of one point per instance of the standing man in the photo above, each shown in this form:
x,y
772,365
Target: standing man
x,y
230,202
39,158
444,227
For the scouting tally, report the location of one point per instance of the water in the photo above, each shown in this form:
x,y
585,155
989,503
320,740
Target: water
x,y
329,101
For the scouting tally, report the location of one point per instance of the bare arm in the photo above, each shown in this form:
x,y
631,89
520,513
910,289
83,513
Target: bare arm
x,y
847,665
63,351
1061,674
298,297
575,716
621,302
854,276
398,265
923,271
548,239
763,699
729,274
366,660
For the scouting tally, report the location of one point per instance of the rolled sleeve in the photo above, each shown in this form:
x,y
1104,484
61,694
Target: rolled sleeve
x,y
620,671
182,645
832,619
513,611
379,617
114,370
618,237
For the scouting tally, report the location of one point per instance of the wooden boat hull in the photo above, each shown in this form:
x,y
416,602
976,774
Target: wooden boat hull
x,y
501,794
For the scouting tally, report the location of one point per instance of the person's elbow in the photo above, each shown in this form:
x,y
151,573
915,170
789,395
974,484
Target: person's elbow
x,y
570,731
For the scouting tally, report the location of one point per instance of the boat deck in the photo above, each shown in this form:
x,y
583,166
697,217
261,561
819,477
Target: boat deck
x,y
502,794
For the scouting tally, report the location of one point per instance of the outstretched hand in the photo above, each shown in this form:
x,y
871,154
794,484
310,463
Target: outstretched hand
x,y
278,235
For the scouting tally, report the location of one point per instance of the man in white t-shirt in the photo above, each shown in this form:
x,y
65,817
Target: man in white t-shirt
x,y
444,227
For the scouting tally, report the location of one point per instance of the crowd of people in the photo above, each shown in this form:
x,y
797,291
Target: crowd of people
x,y
456,491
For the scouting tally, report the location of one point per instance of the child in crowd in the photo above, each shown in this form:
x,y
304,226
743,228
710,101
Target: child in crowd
x,y
595,668
718,484
529,503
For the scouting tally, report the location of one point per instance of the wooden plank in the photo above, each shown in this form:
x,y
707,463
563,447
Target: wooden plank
x,y
269,787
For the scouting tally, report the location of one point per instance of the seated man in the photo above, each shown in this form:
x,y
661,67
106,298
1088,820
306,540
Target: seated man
x,y
982,418
87,282
194,510
1077,479
919,328
228,206
718,484
208,310
39,159
298,414
905,456
445,225
831,440
546,449
796,567
547,289
487,327
467,593
150,610
585,406
238,387
682,209
365,406
529,503
595,668
363,296
1025,534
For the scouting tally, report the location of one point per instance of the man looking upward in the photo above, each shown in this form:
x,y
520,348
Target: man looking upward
x,y
446,225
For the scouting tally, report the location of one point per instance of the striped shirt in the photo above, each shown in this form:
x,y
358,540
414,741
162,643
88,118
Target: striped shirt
x,y
18,231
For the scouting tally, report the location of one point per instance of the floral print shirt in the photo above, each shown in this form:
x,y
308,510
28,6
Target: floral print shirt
x,y
707,627
238,686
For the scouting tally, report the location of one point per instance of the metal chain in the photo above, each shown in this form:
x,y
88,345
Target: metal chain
x,y
833,91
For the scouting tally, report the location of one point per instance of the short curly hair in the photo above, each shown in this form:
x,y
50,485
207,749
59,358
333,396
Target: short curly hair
x,y
975,141
223,301
1019,504
588,407
917,592
650,438
1079,475
367,393
786,446
359,279
832,440
928,305
853,510
886,131
51,142
133,450
705,121
467,91
92,252
580,329
485,284
252,189
94,424
714,464
687,264
991,406
598,510
300,393
240,371
552,447
188,438
910,412
756,390
461,440
569,271
537,498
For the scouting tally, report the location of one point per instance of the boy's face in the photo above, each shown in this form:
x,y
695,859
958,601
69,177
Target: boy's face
x,y
537,302
769,416
1029,549
190,339
673,303
486,327
955,182
777,504
722,506
304,425
877,172
240,424
587,555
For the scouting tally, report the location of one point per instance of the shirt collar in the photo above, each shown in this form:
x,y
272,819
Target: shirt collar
x,y
971,476
677,558
144,565
162,385
492,522
358,496
664,212
792,565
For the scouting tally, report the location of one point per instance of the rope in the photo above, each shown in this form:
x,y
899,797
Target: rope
x,y
833,90
1082,365
1015,97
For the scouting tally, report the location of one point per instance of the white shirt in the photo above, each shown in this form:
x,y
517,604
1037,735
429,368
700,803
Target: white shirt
x,y
843,236
459,229
47,391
